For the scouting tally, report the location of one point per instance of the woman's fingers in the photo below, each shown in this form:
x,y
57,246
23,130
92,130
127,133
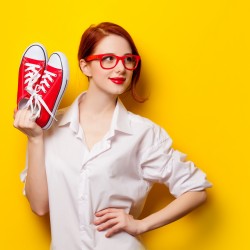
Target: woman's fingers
x,y
111,219
108,224
24,123
22,118
115,229
14,112
107,210
17,116
105,217
115,220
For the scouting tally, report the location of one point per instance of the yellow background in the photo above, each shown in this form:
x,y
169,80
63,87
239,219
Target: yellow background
x,y
196,60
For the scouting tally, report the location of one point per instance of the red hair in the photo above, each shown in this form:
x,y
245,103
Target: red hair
x,y
94,34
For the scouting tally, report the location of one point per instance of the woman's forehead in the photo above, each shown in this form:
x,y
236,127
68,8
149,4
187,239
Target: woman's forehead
x,y
113,44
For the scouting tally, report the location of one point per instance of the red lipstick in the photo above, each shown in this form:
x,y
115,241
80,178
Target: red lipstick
x,y
117,80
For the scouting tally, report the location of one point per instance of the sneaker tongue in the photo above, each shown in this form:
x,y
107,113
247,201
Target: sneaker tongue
x,y
53,69
41,63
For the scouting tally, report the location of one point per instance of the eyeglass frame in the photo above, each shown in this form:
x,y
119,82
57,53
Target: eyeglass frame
x,y
118,58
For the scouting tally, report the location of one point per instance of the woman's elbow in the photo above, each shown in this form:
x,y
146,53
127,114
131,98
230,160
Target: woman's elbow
x,y
40,211
202,196
39,208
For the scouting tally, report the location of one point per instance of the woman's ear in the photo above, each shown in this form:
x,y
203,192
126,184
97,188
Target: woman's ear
x,y
85,68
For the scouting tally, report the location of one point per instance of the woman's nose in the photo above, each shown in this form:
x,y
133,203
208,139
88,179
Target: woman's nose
x,y
119,66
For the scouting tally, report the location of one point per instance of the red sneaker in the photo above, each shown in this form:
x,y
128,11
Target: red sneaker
x,y
31,69
48,93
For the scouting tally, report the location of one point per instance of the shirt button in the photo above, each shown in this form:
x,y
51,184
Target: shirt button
x,y
84,197
84,170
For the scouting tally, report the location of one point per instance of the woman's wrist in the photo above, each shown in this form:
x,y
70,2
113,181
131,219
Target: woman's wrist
x,y
143,227
35,139
152,222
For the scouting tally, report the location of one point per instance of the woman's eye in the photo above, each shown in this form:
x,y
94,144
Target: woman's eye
x,y
108,58
130,59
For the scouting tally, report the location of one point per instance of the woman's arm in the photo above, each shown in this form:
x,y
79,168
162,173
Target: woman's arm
x,y
116,220
36,182
178,208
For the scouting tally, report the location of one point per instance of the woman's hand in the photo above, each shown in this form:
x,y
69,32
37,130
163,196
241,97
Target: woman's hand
x,y
24,123
116,220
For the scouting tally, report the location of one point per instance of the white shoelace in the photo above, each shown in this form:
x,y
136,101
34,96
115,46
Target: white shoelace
x,y
33,74
35,101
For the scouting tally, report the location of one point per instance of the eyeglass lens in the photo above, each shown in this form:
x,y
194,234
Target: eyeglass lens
x,y
109,61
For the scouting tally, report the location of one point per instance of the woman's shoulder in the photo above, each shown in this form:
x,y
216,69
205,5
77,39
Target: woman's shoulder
x,y
135,118
142,123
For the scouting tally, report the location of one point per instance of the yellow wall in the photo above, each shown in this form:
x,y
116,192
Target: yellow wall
x,y
196,60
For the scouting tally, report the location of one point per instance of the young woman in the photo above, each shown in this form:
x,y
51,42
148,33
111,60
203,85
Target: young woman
x,y
94,167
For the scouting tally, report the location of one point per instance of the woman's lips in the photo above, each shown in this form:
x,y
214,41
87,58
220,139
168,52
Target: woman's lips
x,y
117,80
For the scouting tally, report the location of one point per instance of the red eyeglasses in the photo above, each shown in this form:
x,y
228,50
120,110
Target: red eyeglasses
x,y
109,61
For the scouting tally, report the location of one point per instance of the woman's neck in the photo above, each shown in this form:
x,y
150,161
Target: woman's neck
x,y
97,103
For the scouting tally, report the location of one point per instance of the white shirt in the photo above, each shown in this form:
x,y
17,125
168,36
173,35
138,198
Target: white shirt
x,y
118,172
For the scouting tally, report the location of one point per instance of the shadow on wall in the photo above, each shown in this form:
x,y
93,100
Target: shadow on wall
x,y
200,226
44,226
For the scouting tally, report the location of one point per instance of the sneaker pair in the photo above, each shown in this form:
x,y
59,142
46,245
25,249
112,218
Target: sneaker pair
x,y
41,83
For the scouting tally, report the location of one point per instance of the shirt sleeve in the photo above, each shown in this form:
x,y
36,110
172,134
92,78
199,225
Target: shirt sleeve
x,y
161,163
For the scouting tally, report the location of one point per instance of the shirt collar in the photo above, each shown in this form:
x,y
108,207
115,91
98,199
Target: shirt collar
x,y
120,120
71,116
